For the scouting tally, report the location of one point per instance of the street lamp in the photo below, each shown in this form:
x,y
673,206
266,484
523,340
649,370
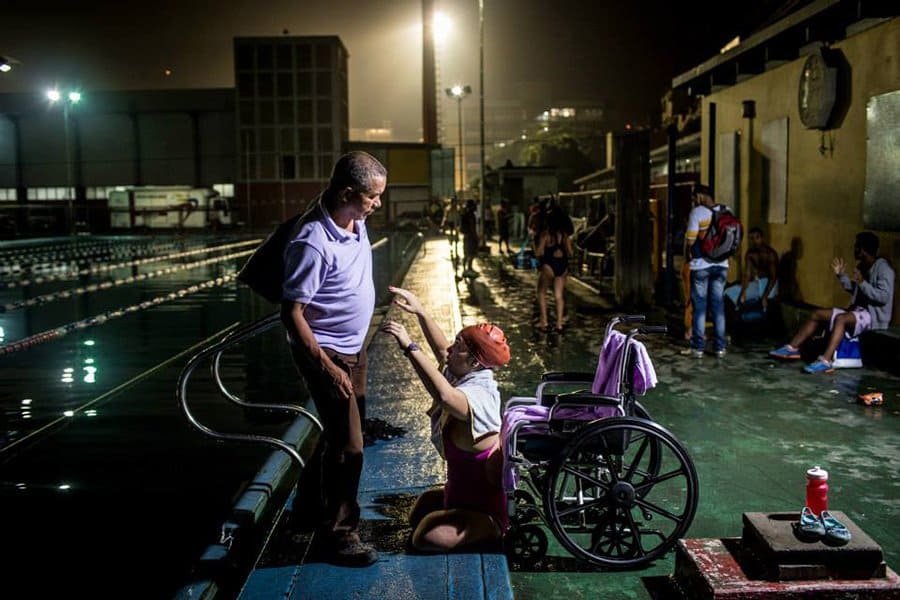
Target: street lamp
x,y
7,63
72,98
459,92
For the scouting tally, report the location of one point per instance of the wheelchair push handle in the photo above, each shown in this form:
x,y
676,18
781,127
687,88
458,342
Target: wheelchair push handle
x,y
632,318
647,329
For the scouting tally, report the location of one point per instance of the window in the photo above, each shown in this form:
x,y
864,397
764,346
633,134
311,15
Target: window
x,y
53,193
284,55
264,85
324,55
303,54
245,85
244,58
225,189
288,167
286,112
285,85
7,194
267,112
304,111
326,143
248,167
304,84
287,140
266,140
307,168
267,166
323,84
248,141
247,113
323,111
264,56
305,139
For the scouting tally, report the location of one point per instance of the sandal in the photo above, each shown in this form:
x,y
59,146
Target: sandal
x,y
810,528
836,533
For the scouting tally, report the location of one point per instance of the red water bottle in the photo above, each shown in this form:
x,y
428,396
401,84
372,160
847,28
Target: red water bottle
x,y
817,489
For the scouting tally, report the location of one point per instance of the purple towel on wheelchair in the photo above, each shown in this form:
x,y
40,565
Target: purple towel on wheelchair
x,y
606,378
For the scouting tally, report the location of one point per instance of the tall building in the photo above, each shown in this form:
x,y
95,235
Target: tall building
x,y
291,120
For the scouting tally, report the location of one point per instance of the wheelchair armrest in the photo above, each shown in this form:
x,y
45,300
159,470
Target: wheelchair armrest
x,y
582,398
561,376
520,401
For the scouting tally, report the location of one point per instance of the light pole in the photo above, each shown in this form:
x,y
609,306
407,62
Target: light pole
x,y
459,92
72,98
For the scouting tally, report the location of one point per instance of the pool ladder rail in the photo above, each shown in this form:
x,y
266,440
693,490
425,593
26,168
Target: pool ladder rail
x,y
259,507
215,351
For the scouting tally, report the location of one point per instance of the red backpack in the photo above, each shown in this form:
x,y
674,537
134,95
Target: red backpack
x,y
723,238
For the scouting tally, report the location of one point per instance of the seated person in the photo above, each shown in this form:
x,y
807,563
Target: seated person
x,y
871,302
751,298
470,510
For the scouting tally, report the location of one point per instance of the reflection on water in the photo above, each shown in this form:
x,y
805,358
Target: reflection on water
x,y
134,321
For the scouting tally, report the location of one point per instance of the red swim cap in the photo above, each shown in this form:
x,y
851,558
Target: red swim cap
x,y
487,343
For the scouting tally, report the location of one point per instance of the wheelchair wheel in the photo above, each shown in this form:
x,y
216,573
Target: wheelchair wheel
x,y
526,545
621,492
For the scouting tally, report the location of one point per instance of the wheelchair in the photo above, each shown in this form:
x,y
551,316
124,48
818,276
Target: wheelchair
x,y
616,489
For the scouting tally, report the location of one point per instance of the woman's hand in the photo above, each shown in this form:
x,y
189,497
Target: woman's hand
x,y
399,332
407,300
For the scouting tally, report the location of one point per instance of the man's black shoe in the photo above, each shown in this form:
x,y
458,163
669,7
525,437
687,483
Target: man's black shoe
x,y
347,550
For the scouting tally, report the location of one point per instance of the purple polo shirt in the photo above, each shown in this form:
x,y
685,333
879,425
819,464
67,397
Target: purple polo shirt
x,y
330,271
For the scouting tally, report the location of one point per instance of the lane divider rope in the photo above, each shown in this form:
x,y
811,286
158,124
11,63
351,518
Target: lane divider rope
x,y
105,285
52,334
94,269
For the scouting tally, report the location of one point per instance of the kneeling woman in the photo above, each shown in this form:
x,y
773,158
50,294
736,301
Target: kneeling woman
x,y
470,510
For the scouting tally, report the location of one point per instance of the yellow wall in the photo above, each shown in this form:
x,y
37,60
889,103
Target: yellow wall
x,y
824,191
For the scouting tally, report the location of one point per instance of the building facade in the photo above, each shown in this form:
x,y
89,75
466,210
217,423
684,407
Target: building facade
x,y
796,136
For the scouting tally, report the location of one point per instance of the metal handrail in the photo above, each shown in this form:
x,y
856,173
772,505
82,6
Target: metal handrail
x,y
257,328
236,337
416,238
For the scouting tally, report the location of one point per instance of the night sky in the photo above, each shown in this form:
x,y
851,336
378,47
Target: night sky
x,y
619,54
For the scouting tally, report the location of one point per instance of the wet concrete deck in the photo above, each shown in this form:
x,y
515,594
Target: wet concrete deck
x,y
751,425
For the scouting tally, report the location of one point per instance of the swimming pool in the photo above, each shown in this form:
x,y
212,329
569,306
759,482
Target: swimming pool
x,y
104,485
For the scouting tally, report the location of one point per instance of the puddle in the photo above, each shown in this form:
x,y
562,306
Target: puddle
x,y
378,429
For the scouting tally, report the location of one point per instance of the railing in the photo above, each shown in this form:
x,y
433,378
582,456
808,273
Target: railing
x,y
215,353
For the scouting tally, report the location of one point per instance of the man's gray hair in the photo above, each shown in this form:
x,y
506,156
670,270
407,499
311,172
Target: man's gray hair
x,y
356,170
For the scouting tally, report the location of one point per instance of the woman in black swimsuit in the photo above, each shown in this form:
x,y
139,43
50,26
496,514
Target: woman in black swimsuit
x,y
553,249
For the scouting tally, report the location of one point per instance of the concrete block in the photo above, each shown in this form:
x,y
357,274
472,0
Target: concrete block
x,y
709,569
770,539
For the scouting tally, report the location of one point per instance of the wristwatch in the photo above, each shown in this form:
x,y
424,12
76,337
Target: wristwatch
x,y
411,348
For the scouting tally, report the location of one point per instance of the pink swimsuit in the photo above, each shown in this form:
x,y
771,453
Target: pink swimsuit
x,y
467,484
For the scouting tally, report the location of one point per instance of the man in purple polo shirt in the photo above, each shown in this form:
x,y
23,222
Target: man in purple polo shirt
x,y
327,305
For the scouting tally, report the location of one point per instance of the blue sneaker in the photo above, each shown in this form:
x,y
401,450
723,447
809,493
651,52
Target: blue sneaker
x,y
785,353
820,366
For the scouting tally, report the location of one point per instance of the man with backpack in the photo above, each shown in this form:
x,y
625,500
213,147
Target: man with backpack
x,y
713,234
328,298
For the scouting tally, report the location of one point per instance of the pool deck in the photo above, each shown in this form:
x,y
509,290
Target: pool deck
x,y
752,426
